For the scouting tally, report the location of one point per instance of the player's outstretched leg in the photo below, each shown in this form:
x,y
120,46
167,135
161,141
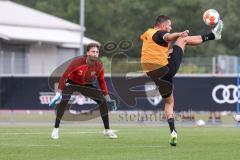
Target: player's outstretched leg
x,y
199,39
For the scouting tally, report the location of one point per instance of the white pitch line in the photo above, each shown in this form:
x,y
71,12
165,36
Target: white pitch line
x,y
144,146
30,145
38,133
84,132
25,133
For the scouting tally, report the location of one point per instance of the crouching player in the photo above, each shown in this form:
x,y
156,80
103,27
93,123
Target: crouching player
x,y
79,77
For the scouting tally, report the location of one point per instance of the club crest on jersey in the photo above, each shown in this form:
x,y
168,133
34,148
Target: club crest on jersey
x,y
93,73
80,72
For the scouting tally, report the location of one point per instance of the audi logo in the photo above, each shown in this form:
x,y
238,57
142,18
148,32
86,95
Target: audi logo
x,y
225,94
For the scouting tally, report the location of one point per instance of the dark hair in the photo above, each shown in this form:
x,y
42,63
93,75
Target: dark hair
x,y
161,19
91,45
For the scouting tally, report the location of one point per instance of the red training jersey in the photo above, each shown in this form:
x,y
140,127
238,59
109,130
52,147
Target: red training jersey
x,y
79,72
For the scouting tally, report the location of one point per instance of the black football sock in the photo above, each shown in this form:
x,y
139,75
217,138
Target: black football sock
x,y
57,122
105,121
104,113
171,124
208,37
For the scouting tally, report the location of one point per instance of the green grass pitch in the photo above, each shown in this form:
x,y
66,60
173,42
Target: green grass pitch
x,y
24,142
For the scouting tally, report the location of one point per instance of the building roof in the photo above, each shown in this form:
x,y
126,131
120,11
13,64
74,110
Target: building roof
x,y
21,23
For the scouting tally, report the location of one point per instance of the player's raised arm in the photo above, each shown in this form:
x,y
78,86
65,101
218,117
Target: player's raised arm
x,y
161,37
173,36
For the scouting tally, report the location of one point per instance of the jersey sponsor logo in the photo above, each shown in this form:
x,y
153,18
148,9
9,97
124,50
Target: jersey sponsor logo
x,y
152,93
225,94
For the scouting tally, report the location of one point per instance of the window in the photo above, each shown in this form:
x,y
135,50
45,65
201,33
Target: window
x,y
64,54
13,59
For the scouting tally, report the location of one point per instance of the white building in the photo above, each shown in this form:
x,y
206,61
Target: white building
x,y
33,42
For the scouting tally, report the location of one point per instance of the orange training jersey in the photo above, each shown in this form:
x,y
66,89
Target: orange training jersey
x,y
153,56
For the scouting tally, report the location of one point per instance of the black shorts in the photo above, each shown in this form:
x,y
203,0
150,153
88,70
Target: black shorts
x,y
174,61
89,90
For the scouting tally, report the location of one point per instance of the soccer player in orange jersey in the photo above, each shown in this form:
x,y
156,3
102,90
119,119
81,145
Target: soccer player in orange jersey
x,y
155,56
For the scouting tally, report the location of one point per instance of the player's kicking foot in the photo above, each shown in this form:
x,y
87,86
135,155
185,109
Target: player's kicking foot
x,y
109,133
217,30
55,133
173,139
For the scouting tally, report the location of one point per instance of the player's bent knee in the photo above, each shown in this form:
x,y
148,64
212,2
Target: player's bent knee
x,y
181,42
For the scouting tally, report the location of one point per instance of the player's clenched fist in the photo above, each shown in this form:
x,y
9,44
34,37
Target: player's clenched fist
x,y
184,33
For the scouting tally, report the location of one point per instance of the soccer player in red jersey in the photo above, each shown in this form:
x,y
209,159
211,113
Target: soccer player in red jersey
x,y
79,77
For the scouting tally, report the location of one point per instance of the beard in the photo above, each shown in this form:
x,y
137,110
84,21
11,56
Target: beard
x,y
93,59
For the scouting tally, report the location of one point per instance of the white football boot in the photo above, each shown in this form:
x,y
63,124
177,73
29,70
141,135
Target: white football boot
x,y
109,133
173,139
217,30
55,133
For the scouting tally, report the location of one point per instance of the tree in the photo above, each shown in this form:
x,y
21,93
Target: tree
x,y
116,20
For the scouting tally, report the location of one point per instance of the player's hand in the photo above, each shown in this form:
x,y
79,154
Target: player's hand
x,y
111,102
57,97
184,33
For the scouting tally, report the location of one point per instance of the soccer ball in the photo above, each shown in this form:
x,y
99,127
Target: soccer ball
x,y
211,17
200,123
